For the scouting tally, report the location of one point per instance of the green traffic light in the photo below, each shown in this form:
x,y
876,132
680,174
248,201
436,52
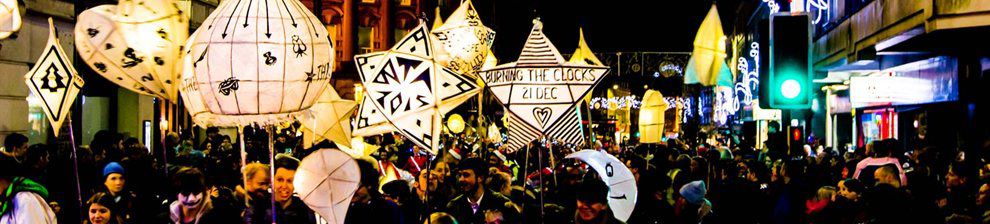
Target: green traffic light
x,y
790,89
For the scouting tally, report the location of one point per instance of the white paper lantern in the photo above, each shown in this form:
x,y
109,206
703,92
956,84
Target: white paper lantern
x,y
411,89
54,81
192,99
157,31
261,62
541,91
329,118
326,181
622,190
464,40
10,18
101,45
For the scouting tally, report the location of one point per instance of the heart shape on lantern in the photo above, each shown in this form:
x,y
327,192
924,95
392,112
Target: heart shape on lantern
x,y
542,114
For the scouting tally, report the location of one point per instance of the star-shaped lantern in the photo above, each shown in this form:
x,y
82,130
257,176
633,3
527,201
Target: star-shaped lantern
x,y
541,90
329,118
464,40
411,89
54,81
369,120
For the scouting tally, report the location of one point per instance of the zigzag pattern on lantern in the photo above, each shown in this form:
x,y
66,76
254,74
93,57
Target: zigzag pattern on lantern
x,y
520,133
568,129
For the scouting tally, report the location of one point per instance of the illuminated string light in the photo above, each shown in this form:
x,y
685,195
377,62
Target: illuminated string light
x,y
751,79
774,7
613,103
819,6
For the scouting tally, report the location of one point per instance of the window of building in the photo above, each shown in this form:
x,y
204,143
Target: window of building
x,y
38,126
399,34
366,39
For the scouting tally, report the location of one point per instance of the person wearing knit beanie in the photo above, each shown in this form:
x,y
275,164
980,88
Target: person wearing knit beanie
x,y
694,192
113,178
695,208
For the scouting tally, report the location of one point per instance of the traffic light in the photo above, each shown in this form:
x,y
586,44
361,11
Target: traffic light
x,y
789,81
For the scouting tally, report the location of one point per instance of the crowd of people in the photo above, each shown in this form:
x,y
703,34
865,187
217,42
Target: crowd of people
x,y
474,181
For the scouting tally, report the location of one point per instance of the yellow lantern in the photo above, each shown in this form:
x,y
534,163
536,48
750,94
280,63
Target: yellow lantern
x,y
455,123
651,117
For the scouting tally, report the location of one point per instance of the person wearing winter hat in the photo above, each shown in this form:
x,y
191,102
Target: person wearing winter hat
x,y
114,182
113,178
694,208
592,203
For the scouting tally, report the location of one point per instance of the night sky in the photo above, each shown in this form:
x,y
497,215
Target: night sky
x,y
609,26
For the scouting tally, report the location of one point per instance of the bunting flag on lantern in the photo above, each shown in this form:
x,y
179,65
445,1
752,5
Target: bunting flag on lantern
x,y
10,18
330,118
709,54
541,90
255,62
621,183
465,40
101,45
54,81
411,89
156,30
651,117
326,181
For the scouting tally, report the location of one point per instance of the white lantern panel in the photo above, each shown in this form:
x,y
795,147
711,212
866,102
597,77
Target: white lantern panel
x,y
262,62
101,45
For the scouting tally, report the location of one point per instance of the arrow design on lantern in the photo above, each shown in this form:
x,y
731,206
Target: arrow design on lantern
x,y
229,18
290,13
201,56
268,24
248,13
310,20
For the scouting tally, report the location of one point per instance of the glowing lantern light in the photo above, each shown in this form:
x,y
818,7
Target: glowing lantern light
x,y
156,30
330,118
709,52
54,81
538,106
411,89
261,63
465,40
102,47
651,119
455,123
